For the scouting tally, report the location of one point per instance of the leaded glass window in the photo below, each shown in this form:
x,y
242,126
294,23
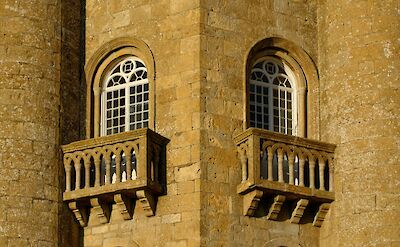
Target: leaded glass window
x,y
272,101
125,97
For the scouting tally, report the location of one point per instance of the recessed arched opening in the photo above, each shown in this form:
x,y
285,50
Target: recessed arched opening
x,y
113,60
281,83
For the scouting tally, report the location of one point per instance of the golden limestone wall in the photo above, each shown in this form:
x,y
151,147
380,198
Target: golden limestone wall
x,y
29,122
359,66
171,30
229,30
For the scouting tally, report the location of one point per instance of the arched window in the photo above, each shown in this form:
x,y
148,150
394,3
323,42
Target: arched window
x,y
281,82
272,96
120,83
125,97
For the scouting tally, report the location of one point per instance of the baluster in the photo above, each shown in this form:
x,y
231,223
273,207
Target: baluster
x,y
321,166
291,168
156,162
134,169
269,163
67,167
312,173
77,165
97,170
118,167
331,167
86,164
243,161
301,171
280,165
128,165
107,160
151,161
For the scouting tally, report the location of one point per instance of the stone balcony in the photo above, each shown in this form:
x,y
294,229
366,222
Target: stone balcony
x,y
285,177
112,173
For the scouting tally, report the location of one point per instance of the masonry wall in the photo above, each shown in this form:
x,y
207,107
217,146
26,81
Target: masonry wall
x,y
229,30
29,122
171,30
72,110
359,66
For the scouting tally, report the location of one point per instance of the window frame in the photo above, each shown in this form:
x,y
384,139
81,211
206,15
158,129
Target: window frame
x,y
271,86
126,86
97,67
300,85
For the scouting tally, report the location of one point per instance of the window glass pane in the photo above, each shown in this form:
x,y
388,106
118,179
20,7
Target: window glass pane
x,y
252,87
252,97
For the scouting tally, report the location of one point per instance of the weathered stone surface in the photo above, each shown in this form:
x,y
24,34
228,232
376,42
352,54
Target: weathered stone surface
x,y
360,113
200,50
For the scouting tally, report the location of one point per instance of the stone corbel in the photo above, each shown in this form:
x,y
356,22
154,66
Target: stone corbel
x,y
320,216
148,202
298,211
101,209
276,207
80,213
251,201
124,205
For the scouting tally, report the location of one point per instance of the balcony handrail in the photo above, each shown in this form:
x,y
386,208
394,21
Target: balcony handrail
x,y
111,139
287,139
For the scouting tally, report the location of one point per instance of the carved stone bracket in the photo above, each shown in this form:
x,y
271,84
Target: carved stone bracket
x,y
298,211
320,216
101,209
276,207
80,213
251,201
124,205
148,202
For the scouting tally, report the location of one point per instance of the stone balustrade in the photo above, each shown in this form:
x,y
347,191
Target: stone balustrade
x,y
116,169
289,173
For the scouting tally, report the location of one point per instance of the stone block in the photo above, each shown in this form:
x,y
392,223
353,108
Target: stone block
x,y
171,218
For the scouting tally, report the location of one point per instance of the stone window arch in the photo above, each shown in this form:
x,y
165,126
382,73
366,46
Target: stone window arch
x,y
120,88
281,89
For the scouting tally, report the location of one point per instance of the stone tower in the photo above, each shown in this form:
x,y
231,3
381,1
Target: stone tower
x,y
359,76
147,123
29,126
